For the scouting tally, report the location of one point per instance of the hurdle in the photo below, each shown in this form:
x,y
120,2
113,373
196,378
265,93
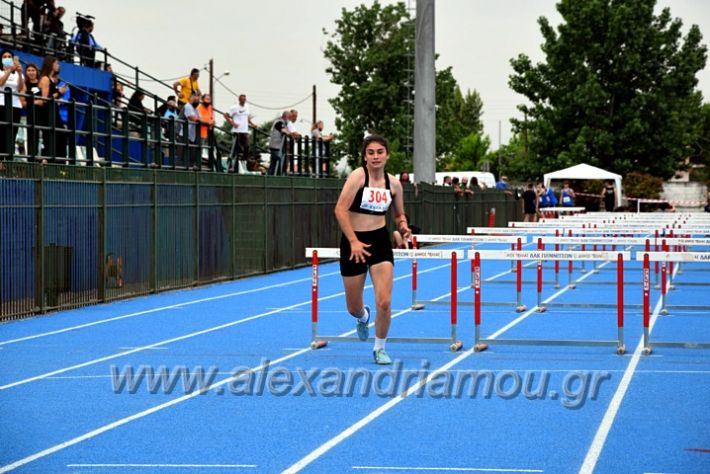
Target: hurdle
x,y
481,344
319,341
664,257
473,240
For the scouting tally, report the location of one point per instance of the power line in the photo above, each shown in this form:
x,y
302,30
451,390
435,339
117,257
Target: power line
x,y
263,106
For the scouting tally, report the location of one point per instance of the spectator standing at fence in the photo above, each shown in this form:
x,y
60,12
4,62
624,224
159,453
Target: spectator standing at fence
x,y
137,112
319,139
31,88
191,159
206,112
185,87
55,30
276,140
365,243
608,196
464,186
10,78
238,118
30,11
49,78
502,183
530,202
87,44
567,195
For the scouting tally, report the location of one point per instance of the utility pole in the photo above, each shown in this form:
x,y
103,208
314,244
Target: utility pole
x,y
211,71
314,105
424,94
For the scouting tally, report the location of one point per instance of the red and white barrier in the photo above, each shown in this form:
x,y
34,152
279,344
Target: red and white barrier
x,y
319,340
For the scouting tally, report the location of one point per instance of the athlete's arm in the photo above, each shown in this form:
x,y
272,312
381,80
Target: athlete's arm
x,y
347,195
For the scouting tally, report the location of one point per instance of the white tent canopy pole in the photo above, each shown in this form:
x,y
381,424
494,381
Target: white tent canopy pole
x,y
585,171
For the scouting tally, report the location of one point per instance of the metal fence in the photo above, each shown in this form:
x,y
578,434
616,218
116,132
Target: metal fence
x,y
98,134
72,236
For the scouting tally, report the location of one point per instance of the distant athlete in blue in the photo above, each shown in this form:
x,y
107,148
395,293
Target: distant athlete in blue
x,y
363,203
567,195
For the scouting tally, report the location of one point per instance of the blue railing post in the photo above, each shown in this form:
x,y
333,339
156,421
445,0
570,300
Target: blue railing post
x,y
7,119
90,138
72,129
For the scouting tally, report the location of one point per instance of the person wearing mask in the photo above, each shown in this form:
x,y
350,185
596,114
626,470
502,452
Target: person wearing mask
x,y
206,113
190,158
10,78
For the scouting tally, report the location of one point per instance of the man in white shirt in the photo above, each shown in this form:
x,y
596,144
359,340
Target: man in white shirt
x,y
238,118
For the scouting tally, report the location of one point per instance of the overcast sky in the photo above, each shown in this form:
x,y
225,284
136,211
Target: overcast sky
x,y
273,48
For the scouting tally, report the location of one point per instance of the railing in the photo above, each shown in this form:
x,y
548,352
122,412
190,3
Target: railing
x,y
37,42
96,133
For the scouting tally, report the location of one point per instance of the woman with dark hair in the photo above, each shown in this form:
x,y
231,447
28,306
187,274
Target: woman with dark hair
x,y
609,196
365,245
10,78
31,88
49,78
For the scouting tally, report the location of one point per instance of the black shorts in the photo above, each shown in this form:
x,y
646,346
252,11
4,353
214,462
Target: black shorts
x,y
380,250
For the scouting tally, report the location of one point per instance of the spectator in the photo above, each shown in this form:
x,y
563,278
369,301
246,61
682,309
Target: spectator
x,y
608,196
10,78
163,108
49,78
291,124
31,88
276,140
30,11
447,180
136,111
319,139
464,186
238,118
187,86
567,195
457,187
502,183
86,44
55,30
707,206
473,184
190,158
530,203
206,113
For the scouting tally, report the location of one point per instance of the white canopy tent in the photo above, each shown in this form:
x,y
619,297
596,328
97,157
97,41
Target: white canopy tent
x,y
585,171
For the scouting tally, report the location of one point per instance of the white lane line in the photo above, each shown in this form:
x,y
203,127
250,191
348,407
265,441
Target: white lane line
x,y
595,449
155,310
343,435
186,336
144,413
454,371
170,466
136,416
449,469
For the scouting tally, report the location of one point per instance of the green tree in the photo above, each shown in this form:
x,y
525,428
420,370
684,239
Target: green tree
x,y
368,54
457,116
469,153
617,90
